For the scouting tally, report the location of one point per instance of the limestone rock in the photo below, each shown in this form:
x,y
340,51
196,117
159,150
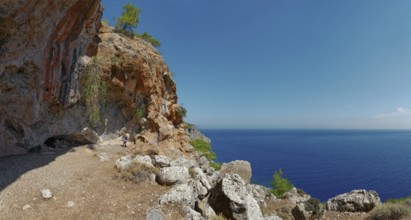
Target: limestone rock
x,y
231,198
171,175
191,214
214,177
155,214
70,204
143,159
300,213
354,201
295,197
240,167
193,133
204,208
161,161
181,194
46,193
181,161
272,217
42,42
123,162
260,193
103,156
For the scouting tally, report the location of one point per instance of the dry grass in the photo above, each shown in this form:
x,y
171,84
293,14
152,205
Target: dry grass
x,y
392,211
136,173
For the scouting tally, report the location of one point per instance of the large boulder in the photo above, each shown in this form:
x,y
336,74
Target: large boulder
x,y
354,201
180,194
231,198
185,162
161,161
240,167
123,162
144,159
171,175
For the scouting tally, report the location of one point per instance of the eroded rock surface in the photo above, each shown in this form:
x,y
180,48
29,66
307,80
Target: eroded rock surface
x,y
354,201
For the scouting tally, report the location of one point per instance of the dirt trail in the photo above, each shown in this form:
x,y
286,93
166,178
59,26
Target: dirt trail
x,y
84,187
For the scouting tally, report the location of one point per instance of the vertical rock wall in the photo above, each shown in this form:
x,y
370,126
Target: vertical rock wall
x,y
41,42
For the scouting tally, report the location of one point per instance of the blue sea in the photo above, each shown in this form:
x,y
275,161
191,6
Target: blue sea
x,y
324,163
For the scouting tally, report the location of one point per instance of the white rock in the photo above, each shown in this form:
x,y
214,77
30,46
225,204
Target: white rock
x,y
171,175
354,201
161,161
26,207
70,204
181,161
123,162
144,159
155,214
103,156
46,193
180,194
191,214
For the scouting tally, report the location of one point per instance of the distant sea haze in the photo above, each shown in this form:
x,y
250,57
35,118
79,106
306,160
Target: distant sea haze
x,y
324,163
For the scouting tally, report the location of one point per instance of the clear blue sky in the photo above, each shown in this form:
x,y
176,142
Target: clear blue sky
x,y
285,63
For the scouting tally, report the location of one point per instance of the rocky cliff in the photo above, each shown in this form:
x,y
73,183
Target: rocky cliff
x,y
46,49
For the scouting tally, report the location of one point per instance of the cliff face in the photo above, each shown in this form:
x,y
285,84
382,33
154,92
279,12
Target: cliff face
x,y
45,48
40,44
141,90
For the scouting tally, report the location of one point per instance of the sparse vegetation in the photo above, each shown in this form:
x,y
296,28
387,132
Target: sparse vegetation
x,y
95,91
150,39
280,184
182,111
315,207
127,24
391,211
136,173
140,113
204,148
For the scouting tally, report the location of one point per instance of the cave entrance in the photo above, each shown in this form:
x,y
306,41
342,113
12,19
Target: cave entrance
x,y
67,141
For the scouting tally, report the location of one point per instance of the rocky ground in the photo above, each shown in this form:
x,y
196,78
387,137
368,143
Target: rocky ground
x,y
86,185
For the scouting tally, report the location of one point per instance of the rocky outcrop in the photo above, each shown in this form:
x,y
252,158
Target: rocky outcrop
x,y
240,167
194,134
172,175
45,53
41,44
231,198
354,201
295,196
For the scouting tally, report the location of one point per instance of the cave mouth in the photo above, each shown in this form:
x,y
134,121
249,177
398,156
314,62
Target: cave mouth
x,y
67,141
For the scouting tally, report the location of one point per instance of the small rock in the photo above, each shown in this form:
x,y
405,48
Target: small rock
x,y
25,207
191,214
46,194
70,204
181,194
103,156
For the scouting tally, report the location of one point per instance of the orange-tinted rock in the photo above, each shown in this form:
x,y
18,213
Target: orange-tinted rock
x,y
41,42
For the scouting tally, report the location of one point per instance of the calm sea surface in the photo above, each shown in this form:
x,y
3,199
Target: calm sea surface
x,y
324,163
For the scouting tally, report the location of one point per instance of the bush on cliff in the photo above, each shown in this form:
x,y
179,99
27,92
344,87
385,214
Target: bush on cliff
x,y
392,209
204,148
95,91
280,184
150,39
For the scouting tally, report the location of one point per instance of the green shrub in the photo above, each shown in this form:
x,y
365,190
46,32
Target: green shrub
x,y
280,184
140,113
150,39
182,111
204,148
95,91
390,211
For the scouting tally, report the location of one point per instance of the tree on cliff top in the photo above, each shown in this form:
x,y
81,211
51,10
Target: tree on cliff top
x,y
127,23
129,18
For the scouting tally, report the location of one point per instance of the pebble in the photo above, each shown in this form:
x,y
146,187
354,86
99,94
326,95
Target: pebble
x,y
70,204
25,207
46,193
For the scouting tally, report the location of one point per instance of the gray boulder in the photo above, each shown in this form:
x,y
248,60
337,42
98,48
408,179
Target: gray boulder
x,y
170,175
161,161
300,213
260,193
214,177
155,214
191,214
354,201
231,198
181,194
181,161
240,167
